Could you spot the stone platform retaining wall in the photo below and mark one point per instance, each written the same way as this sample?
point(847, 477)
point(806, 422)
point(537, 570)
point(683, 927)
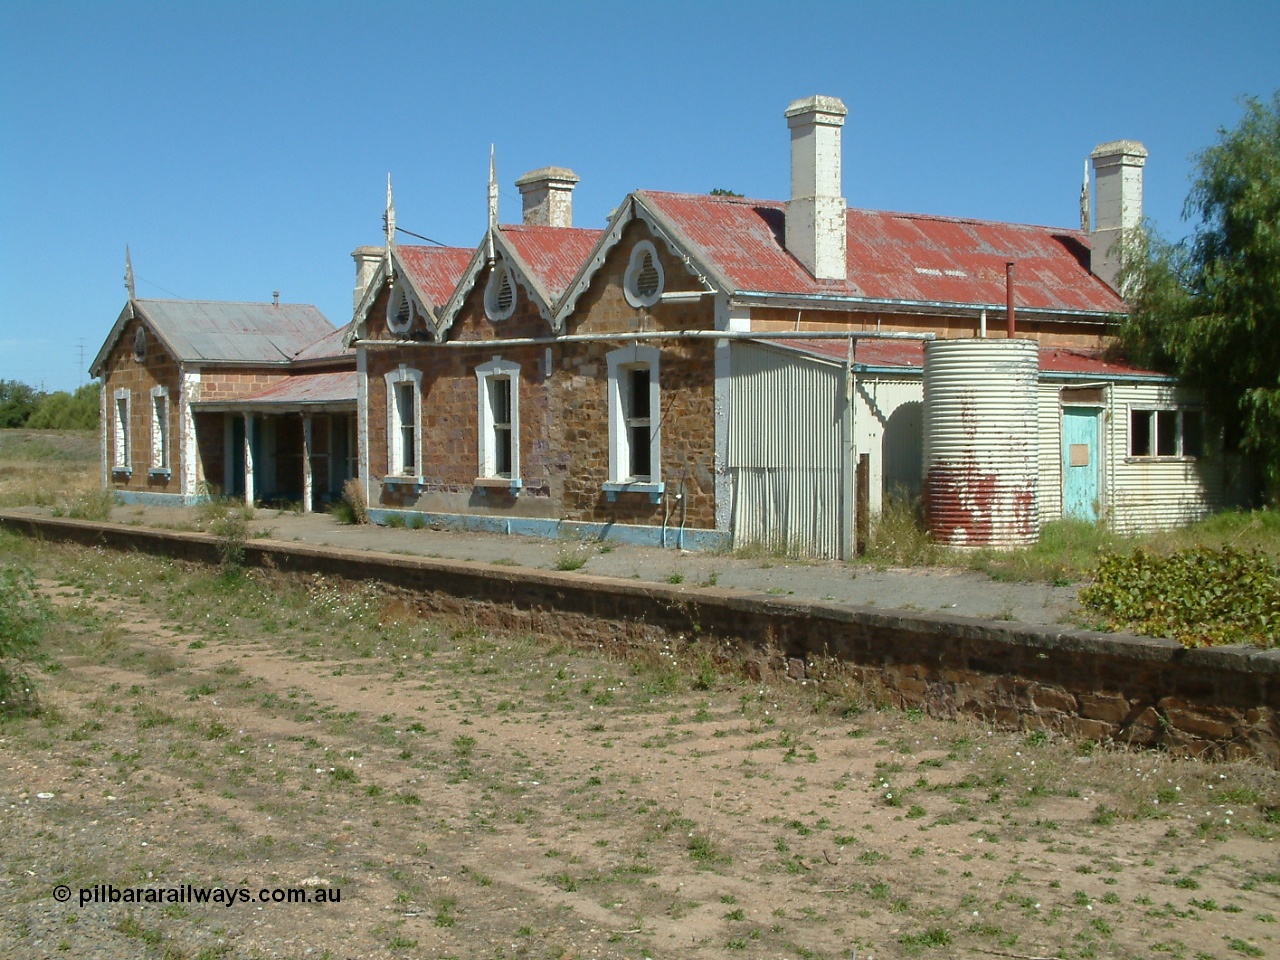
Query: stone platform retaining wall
point(1220, 701)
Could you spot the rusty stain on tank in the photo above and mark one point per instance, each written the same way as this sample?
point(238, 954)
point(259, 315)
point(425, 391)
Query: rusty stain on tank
point(968, 506)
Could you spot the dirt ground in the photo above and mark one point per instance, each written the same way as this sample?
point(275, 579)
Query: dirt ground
point(469, 794)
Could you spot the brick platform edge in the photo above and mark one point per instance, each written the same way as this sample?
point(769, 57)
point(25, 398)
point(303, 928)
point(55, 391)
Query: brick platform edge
point(1217, 701)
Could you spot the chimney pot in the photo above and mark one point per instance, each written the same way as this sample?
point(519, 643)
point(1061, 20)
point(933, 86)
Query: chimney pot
point(816, 213)
point(548, 196)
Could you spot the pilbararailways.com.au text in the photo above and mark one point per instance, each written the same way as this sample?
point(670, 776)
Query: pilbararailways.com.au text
point(190, 894)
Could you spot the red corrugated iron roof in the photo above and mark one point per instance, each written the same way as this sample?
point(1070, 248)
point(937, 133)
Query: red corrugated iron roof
point(1064, 360)
point(434, 271)
point(553, 254)
point(894, 256)
point(909, 355)
point(306, 389)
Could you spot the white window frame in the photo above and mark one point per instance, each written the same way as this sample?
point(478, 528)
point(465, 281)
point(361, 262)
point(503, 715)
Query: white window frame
point(395, 379)
point(1153, 411)
point(486, 374)
point(122, 412)
point(161, 438)
point(630, 279)
point(492, 310)
point(401, 294)
point(620, 365)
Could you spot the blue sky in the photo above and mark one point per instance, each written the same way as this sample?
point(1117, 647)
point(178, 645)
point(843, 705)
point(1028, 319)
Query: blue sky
point(243, 147)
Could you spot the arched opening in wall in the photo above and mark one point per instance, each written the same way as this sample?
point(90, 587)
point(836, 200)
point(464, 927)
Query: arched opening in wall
point(902, 453)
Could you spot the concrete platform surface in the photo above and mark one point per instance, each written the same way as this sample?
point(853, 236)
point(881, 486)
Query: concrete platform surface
point(949, 591)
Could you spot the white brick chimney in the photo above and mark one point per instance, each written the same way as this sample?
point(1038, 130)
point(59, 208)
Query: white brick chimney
point(816, 219)
point(367, 260)
point(548, 196)
point(1117, 172)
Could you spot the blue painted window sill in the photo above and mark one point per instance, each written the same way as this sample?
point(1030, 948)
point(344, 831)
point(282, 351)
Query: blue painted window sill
point(654, 490)
point(513, 484)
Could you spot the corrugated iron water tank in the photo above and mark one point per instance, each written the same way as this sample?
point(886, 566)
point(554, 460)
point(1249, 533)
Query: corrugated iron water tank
point(980, 442)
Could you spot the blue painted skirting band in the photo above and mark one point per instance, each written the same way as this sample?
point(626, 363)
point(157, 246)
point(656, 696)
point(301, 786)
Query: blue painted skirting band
point(141, 498)
point(559, 529)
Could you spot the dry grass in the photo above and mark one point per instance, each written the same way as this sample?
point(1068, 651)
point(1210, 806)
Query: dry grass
point(468, 786)
point(49, 468)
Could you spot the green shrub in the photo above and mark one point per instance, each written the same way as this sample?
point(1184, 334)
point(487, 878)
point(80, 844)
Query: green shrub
point(1198, 595)
point(22, 619)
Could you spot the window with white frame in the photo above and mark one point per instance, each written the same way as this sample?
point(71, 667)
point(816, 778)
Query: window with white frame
point(643, 282)
point(122, 459)
point(404, 421)
point(500, 293)
point(1166, 433)
point(634, 418)
point(160, 429)
point(401, 308)
point(498, 416)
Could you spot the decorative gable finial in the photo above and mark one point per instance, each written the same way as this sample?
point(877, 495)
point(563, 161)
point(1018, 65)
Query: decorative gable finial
point(493, 202)
point(128, 272)
point(1084, 200)
point(389, 218)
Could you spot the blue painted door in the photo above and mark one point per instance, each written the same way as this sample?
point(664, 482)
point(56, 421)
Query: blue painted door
point(1080, 462)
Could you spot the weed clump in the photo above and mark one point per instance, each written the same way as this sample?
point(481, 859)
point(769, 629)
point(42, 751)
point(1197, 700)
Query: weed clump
point(353, 507)
point(91, 505)
point(228, 520)
point(573, 556)
point(22, 619)
point(899, 537)
point(1199, 596)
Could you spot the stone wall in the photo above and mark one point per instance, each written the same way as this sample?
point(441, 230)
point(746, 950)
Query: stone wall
point(211, 450)
point(1221, 701)
point(564, 423)
point(222, 384)
point(122, 370)
point(579, 393)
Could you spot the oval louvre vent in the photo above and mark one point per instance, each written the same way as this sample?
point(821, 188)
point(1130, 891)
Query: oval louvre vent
point(642, 285)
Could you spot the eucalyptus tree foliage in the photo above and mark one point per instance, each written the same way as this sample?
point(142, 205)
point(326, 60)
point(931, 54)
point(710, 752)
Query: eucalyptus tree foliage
point(1208, 308)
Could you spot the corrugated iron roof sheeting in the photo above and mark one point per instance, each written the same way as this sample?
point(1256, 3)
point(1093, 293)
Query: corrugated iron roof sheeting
point(328, 347)
point(208, 330)
point(895, 256)
point(434, 271)
point(553, 254)
point(303, 390)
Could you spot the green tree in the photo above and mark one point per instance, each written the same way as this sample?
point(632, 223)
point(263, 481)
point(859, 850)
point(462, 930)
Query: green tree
point(17, 402)
point(1208, 308)
point(68, 411)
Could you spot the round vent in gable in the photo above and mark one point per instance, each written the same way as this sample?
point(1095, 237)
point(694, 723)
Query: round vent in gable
point(500, 293)
point(140, 345)
point(643, 282)
point(400, 309)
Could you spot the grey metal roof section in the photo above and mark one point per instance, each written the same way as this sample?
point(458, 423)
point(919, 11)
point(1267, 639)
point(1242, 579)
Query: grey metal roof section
point(212, 331)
